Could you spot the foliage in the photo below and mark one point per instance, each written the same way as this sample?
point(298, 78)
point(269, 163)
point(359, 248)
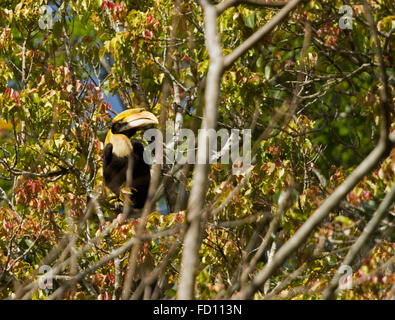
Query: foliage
point(54, 107)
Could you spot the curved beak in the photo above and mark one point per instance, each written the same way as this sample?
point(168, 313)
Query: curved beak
point(134, 118)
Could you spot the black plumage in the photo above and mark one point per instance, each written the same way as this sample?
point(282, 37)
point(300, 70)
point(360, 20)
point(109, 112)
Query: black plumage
point(119, 149)
point(115, 169)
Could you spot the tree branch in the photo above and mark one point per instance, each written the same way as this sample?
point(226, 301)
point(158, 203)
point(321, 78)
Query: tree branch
point(222, 6)
point(258, 35)
point(192, 238)
point(366, 234)
point(378, 153)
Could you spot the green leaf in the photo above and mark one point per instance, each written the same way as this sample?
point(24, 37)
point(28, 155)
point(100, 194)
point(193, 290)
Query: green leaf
point(259, 62)
point(344, 220)
point(268, 71)
point(279, 196)
point(102, 52)
point(250, 21)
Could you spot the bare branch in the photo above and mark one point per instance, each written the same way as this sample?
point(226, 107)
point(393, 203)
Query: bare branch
point(224, 5)
point(378, 153)
point(303, 232)
point(192, 239)
point(258, 35)
point(366, 234)
point(385, 95)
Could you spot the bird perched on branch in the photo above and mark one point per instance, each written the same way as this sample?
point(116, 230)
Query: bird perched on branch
point(121, 153)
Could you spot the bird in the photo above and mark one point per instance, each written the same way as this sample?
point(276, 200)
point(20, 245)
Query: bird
point(120, 148)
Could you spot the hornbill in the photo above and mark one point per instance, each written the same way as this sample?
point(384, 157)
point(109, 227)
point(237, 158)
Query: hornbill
point(119, 149)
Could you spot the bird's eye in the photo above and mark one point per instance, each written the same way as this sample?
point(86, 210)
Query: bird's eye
point(115, 127)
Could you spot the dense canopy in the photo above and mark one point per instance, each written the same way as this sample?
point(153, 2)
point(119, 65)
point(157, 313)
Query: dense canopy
point(311, 216)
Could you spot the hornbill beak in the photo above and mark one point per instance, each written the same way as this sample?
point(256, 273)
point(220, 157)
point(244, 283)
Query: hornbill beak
point(132, 120)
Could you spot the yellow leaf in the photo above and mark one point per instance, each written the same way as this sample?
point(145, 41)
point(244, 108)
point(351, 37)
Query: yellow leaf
point(271, 167)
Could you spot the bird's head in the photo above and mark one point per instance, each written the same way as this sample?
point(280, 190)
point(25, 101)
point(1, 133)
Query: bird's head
point(130, 121)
